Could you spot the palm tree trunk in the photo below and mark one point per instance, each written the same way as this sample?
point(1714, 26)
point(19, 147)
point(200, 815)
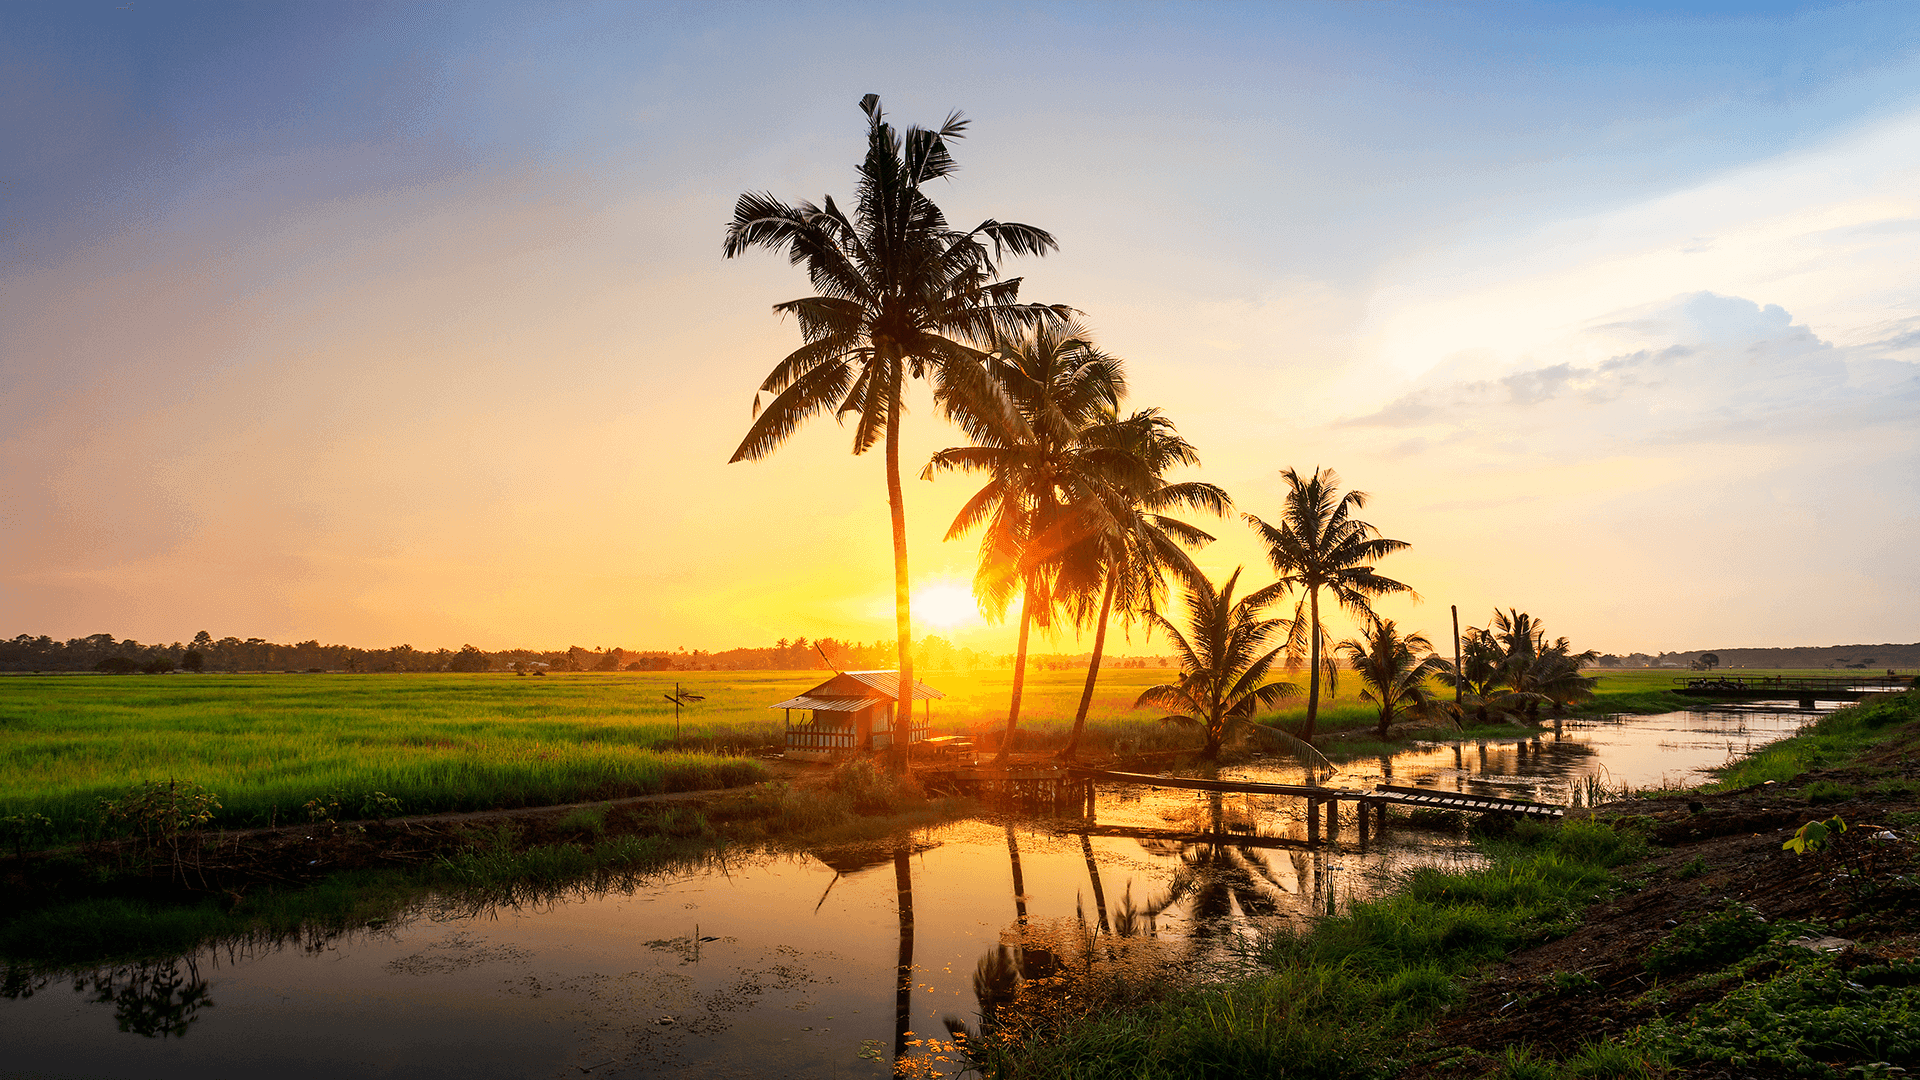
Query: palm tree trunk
point(1019, 676)
point(903, 970)
point(1313, 653)
point(1093, 673)
point(1019, 879)
point(1093, 872)
point(897, 510)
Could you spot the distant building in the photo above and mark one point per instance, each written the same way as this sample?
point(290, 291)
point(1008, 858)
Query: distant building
point(850, 712)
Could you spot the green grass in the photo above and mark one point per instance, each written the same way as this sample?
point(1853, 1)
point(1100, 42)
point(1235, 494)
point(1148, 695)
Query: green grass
point(1835, 739)
point(1338, 1001)
point(266, 744)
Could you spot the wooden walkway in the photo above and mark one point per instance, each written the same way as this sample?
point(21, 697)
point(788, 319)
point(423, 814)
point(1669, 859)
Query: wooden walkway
point(1371, 804)
point(1804, 689)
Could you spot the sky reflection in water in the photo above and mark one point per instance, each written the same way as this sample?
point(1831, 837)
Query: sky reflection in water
point(788, 965)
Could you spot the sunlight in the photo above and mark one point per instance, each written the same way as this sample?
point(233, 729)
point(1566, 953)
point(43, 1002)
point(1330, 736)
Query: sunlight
point(945, 604)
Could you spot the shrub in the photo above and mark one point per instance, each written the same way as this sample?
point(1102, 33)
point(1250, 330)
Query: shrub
point(1732, 933)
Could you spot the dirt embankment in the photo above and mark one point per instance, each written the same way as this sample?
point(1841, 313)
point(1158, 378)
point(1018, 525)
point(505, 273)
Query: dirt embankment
point(1616, 971)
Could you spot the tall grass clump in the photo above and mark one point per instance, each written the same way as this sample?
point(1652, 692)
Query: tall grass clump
point(1337, 1001)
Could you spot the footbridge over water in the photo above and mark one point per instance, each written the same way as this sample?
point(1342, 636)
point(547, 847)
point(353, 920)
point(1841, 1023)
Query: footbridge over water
point(1371, 803)
point(1803, 689)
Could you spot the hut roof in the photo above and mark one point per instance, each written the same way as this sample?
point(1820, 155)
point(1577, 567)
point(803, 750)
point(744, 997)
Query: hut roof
point(852, 691)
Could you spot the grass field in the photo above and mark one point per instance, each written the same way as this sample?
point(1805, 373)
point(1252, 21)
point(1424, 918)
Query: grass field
point(268, 743)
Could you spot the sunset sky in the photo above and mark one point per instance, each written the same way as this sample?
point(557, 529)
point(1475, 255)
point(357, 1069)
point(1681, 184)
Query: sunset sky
point(409, 323)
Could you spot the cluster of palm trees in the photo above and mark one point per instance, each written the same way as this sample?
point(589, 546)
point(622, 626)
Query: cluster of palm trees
point(1076, 518)
point(1508, 670)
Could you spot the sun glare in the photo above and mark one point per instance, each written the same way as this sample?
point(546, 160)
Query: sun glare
point(945, 605)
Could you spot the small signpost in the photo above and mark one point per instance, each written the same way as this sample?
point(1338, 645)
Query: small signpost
point(680, 697)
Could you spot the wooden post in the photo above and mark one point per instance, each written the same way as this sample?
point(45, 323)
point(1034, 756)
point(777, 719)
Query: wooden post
point(1456, 663)
point(1313, 820)
point(1333, 819)
point(1365, 811)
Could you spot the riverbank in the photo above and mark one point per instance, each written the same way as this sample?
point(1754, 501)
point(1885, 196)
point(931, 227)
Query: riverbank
point(1670, 937)
point(157, 897)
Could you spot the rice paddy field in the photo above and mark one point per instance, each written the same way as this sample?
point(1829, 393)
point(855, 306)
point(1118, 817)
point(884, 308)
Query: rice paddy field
point(268, 743)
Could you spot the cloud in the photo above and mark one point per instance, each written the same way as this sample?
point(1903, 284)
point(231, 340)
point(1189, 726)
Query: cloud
point(1708, 368)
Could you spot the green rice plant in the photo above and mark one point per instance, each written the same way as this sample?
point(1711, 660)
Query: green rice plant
point(590, 819)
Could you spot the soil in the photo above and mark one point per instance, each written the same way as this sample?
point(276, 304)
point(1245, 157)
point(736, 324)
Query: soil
point(1706, 850)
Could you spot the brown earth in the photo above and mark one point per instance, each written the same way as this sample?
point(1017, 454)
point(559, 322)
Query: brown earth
point(1707, 850)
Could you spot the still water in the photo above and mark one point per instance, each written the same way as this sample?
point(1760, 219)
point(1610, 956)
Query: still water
point(792, 965)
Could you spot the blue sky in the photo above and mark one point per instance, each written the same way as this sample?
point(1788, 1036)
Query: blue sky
point(382, 323)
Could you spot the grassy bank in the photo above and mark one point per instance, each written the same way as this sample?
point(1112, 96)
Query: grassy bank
point(1839, 738)
point(1339, 1000)
point(78, 907)
point(1677, 970)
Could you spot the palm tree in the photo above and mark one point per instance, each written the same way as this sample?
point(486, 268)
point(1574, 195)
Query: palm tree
point(1395, 669)
point(1046, 478)
point(1222, 669)
point(1486, 676)
point(900, 294)
point(1321, 546)
point(1129, 561)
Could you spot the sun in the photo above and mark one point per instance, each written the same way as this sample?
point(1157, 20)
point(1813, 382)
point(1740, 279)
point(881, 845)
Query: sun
point(945, 604)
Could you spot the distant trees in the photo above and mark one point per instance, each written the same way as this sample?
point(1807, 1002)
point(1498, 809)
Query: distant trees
point(469, 658)
point(1709, 661)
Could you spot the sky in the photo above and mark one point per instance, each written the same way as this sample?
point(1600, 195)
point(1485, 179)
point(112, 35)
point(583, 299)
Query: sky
point(409, 323)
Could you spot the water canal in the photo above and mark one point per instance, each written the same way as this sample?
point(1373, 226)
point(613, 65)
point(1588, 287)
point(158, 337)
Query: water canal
point(790, 965)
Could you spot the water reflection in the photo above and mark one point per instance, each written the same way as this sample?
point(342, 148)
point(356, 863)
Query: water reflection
point(819, 961)
point(156, 999)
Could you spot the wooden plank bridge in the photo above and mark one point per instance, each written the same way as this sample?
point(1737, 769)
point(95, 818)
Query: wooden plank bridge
point(1804, 689)
point(1051, 788)
point(1371, 804)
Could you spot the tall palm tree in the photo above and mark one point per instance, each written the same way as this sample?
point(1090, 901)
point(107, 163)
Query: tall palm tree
point(1395, 669)
point(1222, 668)
point(1046, 478)
point(1320, 546)
point(899, 294)
point(1129, 560)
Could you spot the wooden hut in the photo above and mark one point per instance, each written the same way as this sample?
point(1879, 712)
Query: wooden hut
point(852, 711)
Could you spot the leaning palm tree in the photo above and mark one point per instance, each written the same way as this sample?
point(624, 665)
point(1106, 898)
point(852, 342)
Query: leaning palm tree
point(1319, 546)
point(1128, 562)
point(1395, 670)
point(900, 294)
point(1046, 479)
point(1222, 668)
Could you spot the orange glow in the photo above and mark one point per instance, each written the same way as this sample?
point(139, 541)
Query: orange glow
point(946, 605)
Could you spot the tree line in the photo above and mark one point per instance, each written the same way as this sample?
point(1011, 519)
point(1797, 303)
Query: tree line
point(105, 653)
